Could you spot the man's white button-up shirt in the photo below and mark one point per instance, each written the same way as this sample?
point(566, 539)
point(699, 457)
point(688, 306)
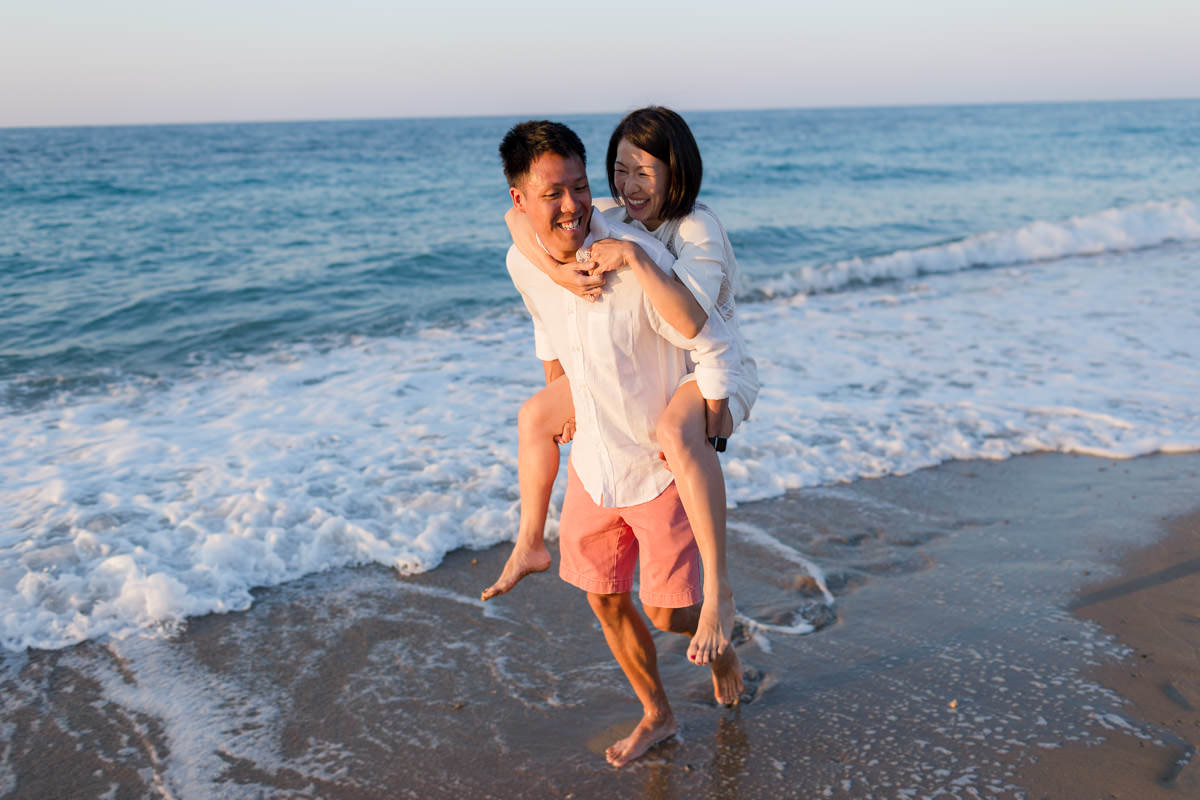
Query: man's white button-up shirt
point(623, 362)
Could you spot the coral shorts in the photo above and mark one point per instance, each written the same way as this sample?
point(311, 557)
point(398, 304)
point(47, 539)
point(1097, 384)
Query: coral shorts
point(599, 547)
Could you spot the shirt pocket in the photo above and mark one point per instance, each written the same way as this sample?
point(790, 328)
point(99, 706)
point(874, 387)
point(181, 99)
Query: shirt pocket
point(610, 346)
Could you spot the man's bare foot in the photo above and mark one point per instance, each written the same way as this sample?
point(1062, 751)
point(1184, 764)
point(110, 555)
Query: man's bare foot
point(714, 628)
point(727, 677)
point(523, 561)
point(649, 732)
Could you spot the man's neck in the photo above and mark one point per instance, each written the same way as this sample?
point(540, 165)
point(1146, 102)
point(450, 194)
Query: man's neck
point(557, 257)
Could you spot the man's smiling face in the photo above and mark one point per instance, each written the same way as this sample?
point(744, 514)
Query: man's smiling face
point(556, 197)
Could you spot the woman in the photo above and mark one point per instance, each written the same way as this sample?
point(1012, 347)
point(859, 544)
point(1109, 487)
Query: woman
point(654, 172)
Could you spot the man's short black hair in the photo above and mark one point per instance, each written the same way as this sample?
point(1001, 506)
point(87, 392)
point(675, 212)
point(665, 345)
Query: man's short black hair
point(663, 134)
point(527, 141)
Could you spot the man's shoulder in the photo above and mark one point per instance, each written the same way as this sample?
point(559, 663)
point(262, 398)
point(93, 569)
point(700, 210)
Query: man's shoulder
point(530, 281)
point(618, 228)
point(609, 207)
point(512, 254)
point(520, 268)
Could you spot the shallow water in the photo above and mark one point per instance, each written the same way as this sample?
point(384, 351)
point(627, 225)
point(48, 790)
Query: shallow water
point(945, 663)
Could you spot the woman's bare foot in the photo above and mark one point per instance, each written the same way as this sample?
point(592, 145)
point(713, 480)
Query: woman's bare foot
point(714, 628)
point(649, 732)
point(522, 561)
point(727, 677)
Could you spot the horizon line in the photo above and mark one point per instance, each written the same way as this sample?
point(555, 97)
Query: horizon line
point(542, 115)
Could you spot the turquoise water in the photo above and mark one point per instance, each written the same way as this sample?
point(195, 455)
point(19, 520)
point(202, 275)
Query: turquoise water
point(231, 355)
point(144, 249)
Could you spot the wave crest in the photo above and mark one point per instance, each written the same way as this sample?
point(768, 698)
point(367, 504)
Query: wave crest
point(1113, 230)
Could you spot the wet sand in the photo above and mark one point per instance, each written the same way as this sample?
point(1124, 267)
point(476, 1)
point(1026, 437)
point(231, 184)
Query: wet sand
point(1154, 609)
point(1026, 628)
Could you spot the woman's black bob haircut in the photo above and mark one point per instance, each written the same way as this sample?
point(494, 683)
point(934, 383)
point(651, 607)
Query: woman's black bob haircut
point(663, 134)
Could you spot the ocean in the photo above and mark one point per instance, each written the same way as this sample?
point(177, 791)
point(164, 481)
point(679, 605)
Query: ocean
point(232, 356)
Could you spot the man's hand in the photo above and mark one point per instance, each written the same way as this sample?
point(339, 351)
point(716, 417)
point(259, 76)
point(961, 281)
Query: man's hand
point(568, 432)
point(718, 420)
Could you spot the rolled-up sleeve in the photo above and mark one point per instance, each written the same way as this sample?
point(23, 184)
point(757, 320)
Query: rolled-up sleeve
point(717, 360)
point(541, 342)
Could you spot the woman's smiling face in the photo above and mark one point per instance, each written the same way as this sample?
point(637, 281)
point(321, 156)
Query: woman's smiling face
point(642, 181)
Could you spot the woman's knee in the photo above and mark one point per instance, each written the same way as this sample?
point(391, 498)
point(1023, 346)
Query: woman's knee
point(672, 434)
point(546, 412)
point(535, 417)
point(681, 427)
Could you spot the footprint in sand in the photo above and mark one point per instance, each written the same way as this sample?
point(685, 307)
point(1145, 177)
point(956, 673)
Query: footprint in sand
point(752, 681)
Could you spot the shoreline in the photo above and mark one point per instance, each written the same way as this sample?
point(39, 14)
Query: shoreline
point(950, 662)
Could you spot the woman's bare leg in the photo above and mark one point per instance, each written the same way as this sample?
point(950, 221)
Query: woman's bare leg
point(541, 418)
point(682, 434)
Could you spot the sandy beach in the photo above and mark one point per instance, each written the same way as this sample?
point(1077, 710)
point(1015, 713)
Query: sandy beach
point(1026, 628)
point(1154, 609)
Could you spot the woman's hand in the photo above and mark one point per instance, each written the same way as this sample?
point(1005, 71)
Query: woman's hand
point(575, 278)
point(608, 255)
point(670, 298)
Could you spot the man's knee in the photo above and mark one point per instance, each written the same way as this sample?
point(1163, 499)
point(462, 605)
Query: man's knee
point(605, 605)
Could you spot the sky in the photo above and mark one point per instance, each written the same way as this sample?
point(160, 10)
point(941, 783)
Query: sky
point(89, 62)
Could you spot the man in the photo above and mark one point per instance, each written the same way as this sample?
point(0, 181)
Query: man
point(623, 363)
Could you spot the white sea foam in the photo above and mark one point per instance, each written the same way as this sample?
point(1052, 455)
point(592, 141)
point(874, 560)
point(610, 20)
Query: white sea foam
point(758, 536)
point(131, 511)
point(1112, 230)
point(138, 509)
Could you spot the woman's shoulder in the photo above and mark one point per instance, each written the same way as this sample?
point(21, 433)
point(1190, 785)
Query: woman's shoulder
point(701, 224)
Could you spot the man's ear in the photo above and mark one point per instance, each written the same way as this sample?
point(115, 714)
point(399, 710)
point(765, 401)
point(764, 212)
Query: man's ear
point(518, 199)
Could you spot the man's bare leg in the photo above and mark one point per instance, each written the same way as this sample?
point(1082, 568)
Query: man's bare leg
point(541, 419)
point(683, 436)
point(630, 642)
point(726, 668)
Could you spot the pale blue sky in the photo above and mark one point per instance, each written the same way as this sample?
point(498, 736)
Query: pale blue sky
point(132, 61)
